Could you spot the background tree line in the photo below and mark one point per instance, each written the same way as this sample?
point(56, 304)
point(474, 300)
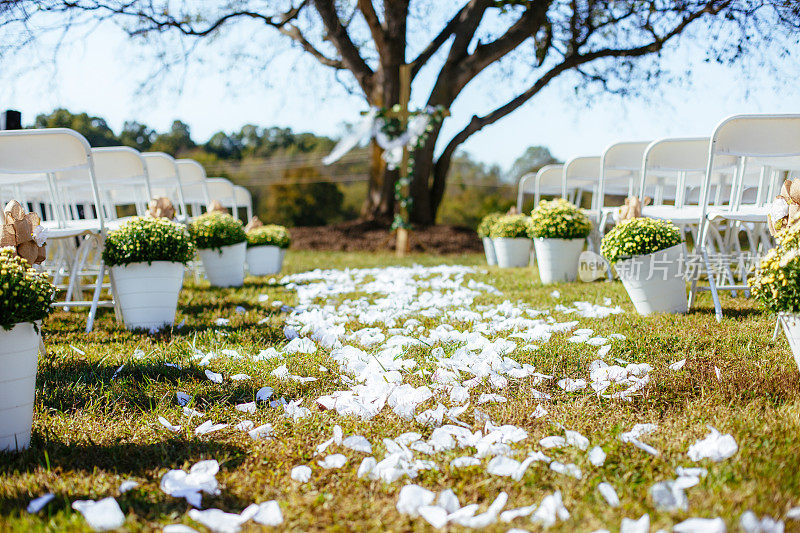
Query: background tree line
point(284, 172)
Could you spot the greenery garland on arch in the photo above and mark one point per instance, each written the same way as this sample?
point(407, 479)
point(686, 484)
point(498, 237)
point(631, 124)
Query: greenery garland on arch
point(392, 127)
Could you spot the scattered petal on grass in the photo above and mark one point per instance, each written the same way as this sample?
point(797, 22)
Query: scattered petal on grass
point(264, 394)
point(553, 442)
point(246, 407)
point(642, 525)
point(261, 432)
point(219, 521)
point(793, 513)
point(208, 427)
point(183, 398)
point(301, 473)
point(269, 514)
point(597, 456)
point(715, 446)
point(751, 524)
point(669, 496)
point(201, 478)
point(434, 515)
point(700, 525)
point(550, 510)
point(677, 365)
point(566, 469)
point(102, 515)
point(37, 504)
point(335, 460)
point(357, 443)
point(539, 412)
point(462, 462)
point(125, 486)
point(576, 439)
point(240, 377)
point(411, 498)
point(608, 493)
point(166, 423)
point(213, 376)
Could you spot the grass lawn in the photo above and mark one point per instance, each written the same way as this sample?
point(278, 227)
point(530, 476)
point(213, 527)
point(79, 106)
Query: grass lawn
point(95, 423)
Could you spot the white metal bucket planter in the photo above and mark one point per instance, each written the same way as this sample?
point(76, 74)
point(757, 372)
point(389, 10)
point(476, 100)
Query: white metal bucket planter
point(264, 260)
point(655, 282)
point(147, 294)
point(558, 259)
point(225, 267)
point(488, 249)
point(791, 327)
point(19, 357)
point(514, 252)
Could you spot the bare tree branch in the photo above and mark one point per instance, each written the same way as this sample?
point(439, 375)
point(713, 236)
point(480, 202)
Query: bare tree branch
point(351, 57)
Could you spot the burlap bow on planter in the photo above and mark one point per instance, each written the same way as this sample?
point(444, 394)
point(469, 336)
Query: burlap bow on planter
point(216, 206)
point(23, 232)
point(254, 223)
point(161, 208)
point(785, 209)
point(632, 208)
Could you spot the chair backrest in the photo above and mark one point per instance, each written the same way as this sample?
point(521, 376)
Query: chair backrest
point(244, 199)
point(546, 181)
point(754, 139)
point(122, 176)
point(620, 167)
point(164, 178)
point(580, 173)
point(193, 181)
point(222, 190)
point(32, 153)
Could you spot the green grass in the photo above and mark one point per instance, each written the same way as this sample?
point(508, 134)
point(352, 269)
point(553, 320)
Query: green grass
point(92, 432)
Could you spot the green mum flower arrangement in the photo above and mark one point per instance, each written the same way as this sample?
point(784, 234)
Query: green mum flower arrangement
point(639, 236)
point(25, 293)
point(511, 227)
point(485, 226)
point(147, 239)
point(269, 235)
point(215, 230)
point(776, 281)
point(559, 219)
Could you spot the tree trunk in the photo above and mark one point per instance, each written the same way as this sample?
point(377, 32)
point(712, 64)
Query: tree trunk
point(423, 211)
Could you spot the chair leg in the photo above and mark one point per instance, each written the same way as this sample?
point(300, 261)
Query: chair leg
point(98, 287)
point(78, 264)
point(712, 286)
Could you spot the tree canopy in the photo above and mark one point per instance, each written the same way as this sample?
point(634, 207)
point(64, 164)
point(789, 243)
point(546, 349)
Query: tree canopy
point(608, 46)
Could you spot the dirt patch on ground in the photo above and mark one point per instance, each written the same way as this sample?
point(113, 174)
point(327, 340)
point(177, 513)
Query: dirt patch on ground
point(368, 236)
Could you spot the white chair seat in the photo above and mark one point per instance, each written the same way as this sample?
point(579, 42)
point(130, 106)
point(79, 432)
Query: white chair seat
point(689, 214)
point(745, 213)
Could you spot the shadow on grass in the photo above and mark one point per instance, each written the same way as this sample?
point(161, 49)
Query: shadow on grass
point(77, 384)
point(122, 459)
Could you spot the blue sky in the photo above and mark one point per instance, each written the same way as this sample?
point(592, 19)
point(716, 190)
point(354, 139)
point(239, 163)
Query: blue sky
point(102, 73)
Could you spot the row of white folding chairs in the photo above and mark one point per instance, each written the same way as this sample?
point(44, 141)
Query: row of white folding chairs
point(720, 186)
point(77, 191)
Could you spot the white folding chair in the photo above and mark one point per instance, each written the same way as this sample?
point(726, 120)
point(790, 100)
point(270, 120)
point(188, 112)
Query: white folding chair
point(223, 191)
point(620, 168)
point(165, 180)
point(580, 175)
point(754, 140)
point(194, 185)
point(547, 181)
point(29, 154)
point(244, 200)
point(122, 179)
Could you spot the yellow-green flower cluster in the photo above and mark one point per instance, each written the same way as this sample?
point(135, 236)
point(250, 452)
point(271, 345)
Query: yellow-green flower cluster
point(559, 219)
point(215, 230)
point(25, 294)
point(269, 235)
point(510, 227)
point(639, 236)
point(776, 282)
point(147, 239)
point(485, 227)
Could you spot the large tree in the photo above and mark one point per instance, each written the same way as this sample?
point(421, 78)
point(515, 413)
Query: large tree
point(614, 45)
